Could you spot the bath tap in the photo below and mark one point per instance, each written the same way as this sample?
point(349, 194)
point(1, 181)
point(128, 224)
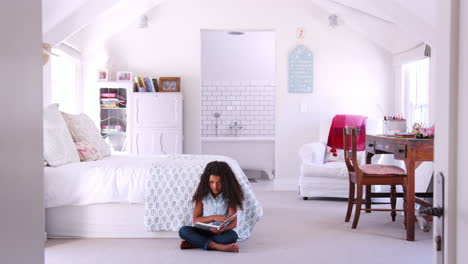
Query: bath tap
point(216, 116)
point(236, 125)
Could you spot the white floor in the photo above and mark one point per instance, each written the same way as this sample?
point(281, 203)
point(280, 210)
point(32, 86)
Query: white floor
point(291, 231)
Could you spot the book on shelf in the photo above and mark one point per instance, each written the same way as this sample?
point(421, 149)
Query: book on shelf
point(155, 84)
point(113, 100)
point(109, 100)
point(111, 129)
point(149, 84)
point(404, 135)
point(117, 104)
point(145, 84)
point(216, 226)
point(114, 106)
point(136, 81)
point(108, 95)
point(109, 105)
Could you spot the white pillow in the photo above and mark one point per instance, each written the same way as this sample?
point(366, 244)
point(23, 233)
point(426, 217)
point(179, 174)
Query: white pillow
point(59, 148)
point(82, 128)
point(87, 152)
point(334, 155)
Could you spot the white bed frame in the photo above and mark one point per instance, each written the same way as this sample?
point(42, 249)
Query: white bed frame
point(109, 220)
point(323, 187)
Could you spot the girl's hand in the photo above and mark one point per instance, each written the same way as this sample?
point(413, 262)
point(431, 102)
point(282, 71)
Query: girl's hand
point(216, 231)
point(219, 218)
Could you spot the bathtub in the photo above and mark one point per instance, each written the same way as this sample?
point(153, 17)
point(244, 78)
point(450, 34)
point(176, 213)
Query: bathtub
point(252, 153)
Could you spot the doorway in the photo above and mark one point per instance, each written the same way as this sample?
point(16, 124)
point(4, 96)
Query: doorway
point(238, 98)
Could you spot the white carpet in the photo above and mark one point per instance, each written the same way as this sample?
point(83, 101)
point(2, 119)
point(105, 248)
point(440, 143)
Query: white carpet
point(291, 231)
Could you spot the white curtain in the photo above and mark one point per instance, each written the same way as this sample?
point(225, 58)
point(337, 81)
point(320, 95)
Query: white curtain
point(415, 84)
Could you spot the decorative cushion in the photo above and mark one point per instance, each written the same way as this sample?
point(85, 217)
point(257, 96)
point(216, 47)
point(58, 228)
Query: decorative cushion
point(82, 128)
point(382, 169)
point(334, 155)
point(58, 143)
point(337, 155)
point(87, 152)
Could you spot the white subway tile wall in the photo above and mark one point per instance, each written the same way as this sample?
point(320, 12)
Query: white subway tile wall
point(246, 108)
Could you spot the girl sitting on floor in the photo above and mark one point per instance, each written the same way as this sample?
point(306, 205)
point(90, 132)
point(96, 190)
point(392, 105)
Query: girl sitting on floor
point(217, 197)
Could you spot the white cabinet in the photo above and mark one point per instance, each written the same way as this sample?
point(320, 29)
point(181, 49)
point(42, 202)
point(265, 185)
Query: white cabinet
point(158, 110)
point(156, 123)
point(158, 141)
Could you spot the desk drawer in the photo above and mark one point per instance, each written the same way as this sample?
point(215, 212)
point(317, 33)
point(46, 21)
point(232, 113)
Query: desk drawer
point(400, 151)
point(370, 146)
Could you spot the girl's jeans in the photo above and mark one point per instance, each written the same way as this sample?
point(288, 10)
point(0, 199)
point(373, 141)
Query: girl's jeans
point(201, 238)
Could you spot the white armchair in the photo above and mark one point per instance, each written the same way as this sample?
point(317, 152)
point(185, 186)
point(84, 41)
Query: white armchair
point(322, 179)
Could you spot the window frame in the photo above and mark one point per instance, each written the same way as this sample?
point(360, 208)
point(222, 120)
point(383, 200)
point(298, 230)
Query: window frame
point(421, 69)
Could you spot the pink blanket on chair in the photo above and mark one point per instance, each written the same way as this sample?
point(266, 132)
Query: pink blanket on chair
point(335, 136)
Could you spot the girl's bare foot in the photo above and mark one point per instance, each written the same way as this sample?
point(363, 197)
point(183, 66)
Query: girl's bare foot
point(226, 248)
point(186, 245)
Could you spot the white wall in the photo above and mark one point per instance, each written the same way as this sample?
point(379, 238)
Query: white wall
point(226, 57)
point(351, 75)
point(21, 172)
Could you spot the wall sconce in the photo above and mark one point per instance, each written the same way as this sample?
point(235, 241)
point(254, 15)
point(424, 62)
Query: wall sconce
point(46, 52)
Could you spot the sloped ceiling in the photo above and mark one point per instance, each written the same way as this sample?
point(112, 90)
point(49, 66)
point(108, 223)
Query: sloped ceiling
point(55, 11)
point(69, 24)
point(395, 25)
point(426, 10)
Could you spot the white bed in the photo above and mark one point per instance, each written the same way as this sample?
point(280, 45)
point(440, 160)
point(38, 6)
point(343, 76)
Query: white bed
point(106, 198)
point(102, 198)
point(110, 220)
point(113, 179)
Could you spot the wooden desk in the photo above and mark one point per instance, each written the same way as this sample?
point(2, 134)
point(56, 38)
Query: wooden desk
point(412, 151)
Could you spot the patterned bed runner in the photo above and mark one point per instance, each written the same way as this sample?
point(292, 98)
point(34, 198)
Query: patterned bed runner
point(171, 185)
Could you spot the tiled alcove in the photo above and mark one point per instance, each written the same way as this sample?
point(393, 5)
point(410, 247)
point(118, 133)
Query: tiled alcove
point(246, 108)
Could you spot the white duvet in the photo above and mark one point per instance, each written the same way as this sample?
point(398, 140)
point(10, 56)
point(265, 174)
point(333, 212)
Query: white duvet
point(118, 178)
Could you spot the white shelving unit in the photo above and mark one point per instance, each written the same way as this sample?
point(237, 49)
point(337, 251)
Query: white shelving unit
point(114, 120)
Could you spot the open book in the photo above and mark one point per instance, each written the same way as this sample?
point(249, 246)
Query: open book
point(215, 226)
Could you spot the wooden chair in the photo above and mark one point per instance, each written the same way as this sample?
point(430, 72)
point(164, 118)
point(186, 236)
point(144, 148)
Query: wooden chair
point(368, 175)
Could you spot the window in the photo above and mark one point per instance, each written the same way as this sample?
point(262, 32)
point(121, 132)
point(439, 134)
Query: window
point(415, 83)
point(66, 81)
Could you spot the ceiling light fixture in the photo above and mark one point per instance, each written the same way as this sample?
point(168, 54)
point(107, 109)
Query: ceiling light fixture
point(333, 20)
point(237, 33)
point(143, 21)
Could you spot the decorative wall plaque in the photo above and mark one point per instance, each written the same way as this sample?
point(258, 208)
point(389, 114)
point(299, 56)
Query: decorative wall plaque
point(300, 70)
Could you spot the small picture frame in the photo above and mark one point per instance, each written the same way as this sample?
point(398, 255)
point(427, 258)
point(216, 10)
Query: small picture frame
point(169, 84)
point(103, 75)
point(123, 76)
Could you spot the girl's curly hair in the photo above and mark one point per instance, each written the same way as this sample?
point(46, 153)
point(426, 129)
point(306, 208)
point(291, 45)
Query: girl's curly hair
point(232, 191)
